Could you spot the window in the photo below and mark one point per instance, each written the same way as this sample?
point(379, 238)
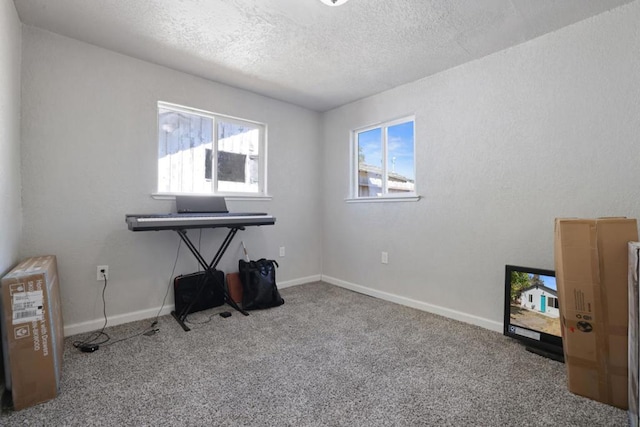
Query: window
point(384, 160)
point(202, 152)
point(552, 302)
point(530, 298)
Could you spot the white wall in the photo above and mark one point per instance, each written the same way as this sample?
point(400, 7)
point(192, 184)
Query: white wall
point(505, 144)
point(10, 205)
point(89, 157)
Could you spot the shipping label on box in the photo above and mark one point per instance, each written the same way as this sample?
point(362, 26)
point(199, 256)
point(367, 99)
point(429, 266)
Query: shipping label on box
point(27, 307)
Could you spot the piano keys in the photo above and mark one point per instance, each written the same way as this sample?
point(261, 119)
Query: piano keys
point(180, 221)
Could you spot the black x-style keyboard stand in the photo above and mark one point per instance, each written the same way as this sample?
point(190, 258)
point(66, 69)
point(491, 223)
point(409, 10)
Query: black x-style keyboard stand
point(209, 270)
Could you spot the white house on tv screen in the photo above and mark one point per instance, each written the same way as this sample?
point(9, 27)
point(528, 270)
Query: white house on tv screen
point(541, 299)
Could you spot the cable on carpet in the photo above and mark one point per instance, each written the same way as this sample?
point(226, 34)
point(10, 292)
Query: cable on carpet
point(93, 343)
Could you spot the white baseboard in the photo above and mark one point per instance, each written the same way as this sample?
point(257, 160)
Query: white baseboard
point(420, 305)
point(300, 281)
point(94, 325)
point(118, 319)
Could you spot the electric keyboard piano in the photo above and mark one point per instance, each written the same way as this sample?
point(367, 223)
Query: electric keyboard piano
point(177, 221)
point(180, 222)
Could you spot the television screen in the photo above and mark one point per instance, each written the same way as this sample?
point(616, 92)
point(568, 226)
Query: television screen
point(532, 312)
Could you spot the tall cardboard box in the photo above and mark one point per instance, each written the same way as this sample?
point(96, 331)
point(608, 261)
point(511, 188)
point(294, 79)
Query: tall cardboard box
point(32, 334)
point(591, 275)
point(634, 334)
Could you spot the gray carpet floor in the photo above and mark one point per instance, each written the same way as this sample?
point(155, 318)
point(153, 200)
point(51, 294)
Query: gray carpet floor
point(327, 357)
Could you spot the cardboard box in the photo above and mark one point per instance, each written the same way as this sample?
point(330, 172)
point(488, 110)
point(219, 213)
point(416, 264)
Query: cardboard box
point(591, 275)
point(634, 331)
point(32, 334)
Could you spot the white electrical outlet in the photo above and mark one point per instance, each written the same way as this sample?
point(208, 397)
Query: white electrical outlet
point(384, 258)
point(281, 251)
point(102, 272)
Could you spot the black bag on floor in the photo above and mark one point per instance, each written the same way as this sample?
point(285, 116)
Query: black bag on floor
point(259, 288)
point(187, 289)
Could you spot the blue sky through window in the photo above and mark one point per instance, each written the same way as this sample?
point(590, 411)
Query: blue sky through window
point(370, 147)
point(400, 149)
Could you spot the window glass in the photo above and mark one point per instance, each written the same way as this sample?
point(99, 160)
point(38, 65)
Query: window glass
point(370, 163)
point(400, 163)
point(192, 158)
point(238, 157)
point(386, 160)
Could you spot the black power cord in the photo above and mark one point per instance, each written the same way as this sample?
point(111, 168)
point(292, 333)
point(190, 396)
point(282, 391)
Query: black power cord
point(96, 339)
point(155, 321)
point(92, 344)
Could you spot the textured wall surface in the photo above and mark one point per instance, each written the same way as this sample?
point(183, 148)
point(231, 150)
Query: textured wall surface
point(504, 144)
point(90, 157)
point(10, 205)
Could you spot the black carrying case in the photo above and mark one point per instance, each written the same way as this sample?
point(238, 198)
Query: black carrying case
point(187, 288)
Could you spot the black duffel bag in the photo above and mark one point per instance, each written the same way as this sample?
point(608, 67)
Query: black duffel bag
point(259, 288)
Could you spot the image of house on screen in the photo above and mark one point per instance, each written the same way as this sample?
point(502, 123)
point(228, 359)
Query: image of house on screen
point(541, 299)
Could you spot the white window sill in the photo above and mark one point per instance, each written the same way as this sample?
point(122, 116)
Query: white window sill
point(385, 199)
point(239, 197)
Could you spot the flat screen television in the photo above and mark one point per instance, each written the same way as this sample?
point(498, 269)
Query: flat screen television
point(531, 310)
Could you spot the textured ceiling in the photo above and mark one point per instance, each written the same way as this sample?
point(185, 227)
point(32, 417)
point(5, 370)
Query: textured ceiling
point(302, 51)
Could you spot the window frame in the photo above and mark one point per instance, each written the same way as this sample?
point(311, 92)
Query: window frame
point(261, 194)
point(354, 163)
